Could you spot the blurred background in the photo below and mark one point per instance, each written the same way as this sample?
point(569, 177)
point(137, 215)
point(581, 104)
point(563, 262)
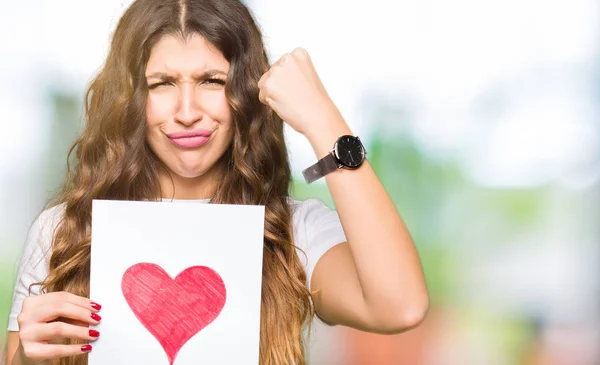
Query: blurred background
point(481, 119)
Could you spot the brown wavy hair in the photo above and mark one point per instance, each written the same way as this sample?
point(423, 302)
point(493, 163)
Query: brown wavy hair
point(112, 160)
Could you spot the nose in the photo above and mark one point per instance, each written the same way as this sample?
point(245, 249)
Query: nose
point(188, 108)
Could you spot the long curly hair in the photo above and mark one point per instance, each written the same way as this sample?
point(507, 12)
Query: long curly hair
point(112, 160)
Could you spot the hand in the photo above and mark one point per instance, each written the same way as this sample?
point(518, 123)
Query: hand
point(39, 329)
point(294, 91)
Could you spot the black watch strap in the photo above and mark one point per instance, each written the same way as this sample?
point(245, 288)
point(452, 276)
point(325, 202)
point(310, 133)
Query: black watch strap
point(324, 166)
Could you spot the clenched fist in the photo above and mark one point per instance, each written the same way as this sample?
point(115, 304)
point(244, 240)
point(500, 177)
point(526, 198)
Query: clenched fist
point(294, 91)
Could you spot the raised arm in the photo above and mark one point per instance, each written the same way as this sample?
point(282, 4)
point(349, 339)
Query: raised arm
point(373, 282)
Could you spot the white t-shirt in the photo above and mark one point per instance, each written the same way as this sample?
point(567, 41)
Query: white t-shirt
point(316, 229)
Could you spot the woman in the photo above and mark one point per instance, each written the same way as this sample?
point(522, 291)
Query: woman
point(186, 107)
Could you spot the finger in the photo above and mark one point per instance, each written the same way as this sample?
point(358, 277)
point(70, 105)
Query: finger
point(39, 351)
point(300, 52)
point(52, 311)
point(267, 100)
point(40, 300)
point(47, 307)
point(61, 330)
point(78, 300)
point(263, 79)
point(262, 97)
point(282, 60)
point(270, 103)
point(302, 55)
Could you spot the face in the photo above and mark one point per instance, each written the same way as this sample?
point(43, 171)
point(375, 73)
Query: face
point(189, 121)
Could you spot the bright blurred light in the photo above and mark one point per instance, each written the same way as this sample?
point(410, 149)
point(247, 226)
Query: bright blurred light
point(445, 56)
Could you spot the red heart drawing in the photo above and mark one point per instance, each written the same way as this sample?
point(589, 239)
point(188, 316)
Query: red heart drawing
point(173, 310)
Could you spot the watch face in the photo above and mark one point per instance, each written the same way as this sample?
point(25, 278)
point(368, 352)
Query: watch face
point(349, 151)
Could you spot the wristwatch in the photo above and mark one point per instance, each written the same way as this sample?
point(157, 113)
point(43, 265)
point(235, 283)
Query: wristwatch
point(348, 152)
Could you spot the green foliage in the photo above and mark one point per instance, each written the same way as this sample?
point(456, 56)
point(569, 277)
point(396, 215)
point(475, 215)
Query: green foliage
point(66, 127)
point(7, 273)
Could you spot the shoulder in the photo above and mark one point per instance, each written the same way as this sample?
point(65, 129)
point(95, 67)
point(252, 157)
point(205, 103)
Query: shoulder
point(33, 265)
point(308, 211)
point(314, 222)
point(49, 218)
point(316, 229)
point(39, 238)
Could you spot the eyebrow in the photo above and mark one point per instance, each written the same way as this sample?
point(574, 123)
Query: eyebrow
point(204, 75)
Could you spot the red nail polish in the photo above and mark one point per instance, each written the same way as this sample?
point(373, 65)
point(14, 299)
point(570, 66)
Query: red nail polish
point(86, 348)
point(94, 333)
point(96, 306)
point(96, 317)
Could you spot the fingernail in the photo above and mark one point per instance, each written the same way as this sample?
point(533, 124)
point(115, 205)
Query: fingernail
point(86, 348)
point(94, 333)
point(96, 306)
point(96, 317)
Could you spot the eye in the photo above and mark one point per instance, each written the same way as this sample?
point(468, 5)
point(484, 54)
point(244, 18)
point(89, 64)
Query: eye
point(164, 83)
point(214, 81)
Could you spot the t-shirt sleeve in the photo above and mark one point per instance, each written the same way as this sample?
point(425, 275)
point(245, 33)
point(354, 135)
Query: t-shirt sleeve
point(317, 228)
point(33, 265)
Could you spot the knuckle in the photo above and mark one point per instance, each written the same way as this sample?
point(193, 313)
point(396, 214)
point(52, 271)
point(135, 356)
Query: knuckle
point(58, 308)
point(23, 334)
point(268, 85)
point(56, 329)
point(263, 79)
point(27, 302)
point(300, 52)
point(261, 83)
point(64, 296)
point(21, 319)
point(30, 352)
point(276, 70)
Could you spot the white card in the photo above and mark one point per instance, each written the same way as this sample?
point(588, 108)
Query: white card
point(179, 282)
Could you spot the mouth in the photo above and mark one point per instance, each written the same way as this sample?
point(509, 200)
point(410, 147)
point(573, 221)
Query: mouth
point(190, 139)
